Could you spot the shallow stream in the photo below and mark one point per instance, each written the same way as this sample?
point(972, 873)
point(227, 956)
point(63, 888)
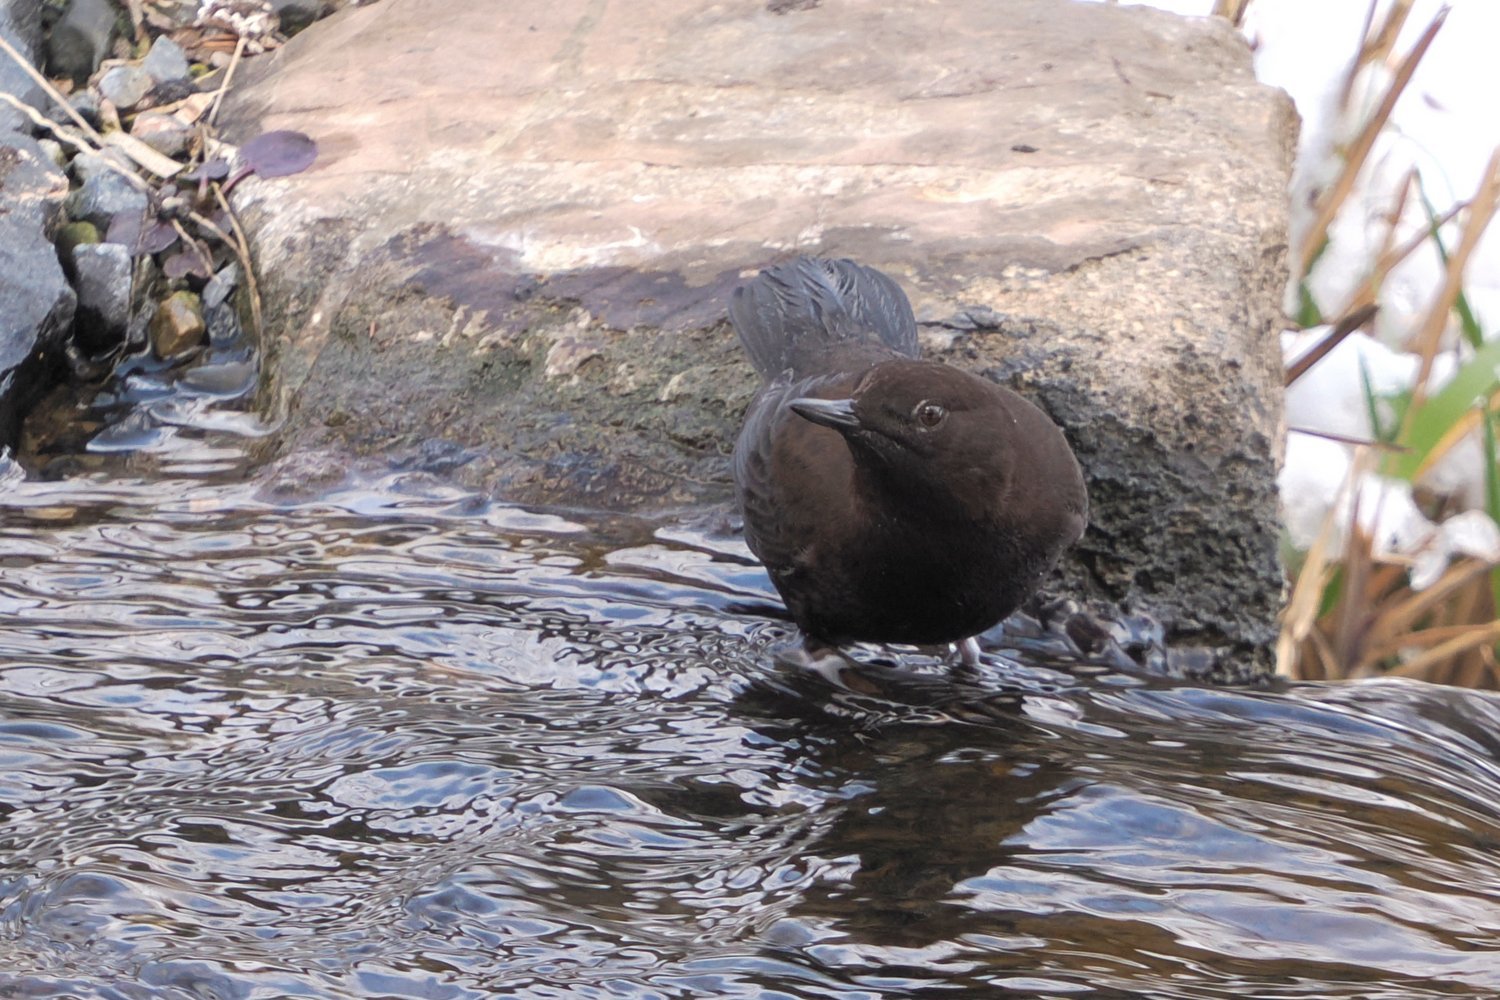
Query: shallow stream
point(401, 742)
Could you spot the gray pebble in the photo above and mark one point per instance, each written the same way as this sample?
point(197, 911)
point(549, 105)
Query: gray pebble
point(55, 152)
point(87, 165)
point(102, 197)
point(103, 285)
point(125, 86)
point(166, 62)
point(223, 327)
point(85, 103)
point(162, 133)
point(219, 287)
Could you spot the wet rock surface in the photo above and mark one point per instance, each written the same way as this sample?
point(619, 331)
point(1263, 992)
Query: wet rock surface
point(1084, 202)
point(101, 278)
point(36, 302)
point(178, 326)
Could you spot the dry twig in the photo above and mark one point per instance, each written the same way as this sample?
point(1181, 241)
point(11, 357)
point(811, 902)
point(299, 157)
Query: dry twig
point(234, 62)
point(242, 251)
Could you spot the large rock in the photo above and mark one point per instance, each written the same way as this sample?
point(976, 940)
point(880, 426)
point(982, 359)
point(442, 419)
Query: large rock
point(526, 218)
point(36, 303)
point(21, 26)
point(80, 39)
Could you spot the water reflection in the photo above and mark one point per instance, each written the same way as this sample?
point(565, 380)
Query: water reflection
point(403, 743)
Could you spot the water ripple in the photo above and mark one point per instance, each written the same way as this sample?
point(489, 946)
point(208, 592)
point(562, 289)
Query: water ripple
point(402, 742)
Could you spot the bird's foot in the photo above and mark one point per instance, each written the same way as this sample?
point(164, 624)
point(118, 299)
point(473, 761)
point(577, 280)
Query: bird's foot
point(822, 658)
point(813, 655)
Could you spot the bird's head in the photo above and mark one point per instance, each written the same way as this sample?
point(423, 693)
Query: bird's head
point(917, 410)
point(945, 438)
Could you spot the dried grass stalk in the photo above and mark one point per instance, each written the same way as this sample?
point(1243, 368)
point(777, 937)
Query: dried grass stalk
point(1334, 197)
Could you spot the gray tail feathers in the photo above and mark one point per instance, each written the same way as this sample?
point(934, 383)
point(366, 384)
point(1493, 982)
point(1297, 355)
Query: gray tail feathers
point(791, 313)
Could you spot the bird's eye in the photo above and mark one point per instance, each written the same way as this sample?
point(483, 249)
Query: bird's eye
point(929, 414)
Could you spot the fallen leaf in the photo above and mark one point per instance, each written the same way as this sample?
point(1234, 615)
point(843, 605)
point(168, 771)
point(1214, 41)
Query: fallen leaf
point(279, 153)
point(142, 234)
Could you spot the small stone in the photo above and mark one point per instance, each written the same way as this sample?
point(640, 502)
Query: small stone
point(125, 86)
point(224, 328)
point(673, 388)
point(163, 133)
point(75, 234)
point(173, 91)
point(178, 326)
point(222, 283)
point(166, 62)
point(86, 165)
point(103, 285)
point(86, 103)
point(298, 14)
point(103, 196)
point(81, 38)
point(55, 152)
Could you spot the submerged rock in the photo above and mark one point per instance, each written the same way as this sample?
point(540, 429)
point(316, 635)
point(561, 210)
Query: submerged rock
point(1083, 201)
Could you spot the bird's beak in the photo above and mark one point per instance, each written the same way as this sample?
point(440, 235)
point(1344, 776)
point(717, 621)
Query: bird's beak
point(835, 413)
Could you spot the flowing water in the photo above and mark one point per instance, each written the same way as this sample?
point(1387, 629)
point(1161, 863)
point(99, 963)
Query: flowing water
point(401, 742)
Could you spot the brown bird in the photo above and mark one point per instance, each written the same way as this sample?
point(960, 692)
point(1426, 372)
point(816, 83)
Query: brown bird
point(891, 499)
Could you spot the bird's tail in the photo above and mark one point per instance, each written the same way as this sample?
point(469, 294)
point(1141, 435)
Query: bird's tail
point(790, 314)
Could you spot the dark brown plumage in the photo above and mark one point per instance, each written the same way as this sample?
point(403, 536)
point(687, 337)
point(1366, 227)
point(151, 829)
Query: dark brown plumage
point(891, 499)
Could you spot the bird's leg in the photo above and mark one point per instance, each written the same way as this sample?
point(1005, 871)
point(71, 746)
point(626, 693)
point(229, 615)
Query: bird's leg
point(968, 652)
point(818, 650)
